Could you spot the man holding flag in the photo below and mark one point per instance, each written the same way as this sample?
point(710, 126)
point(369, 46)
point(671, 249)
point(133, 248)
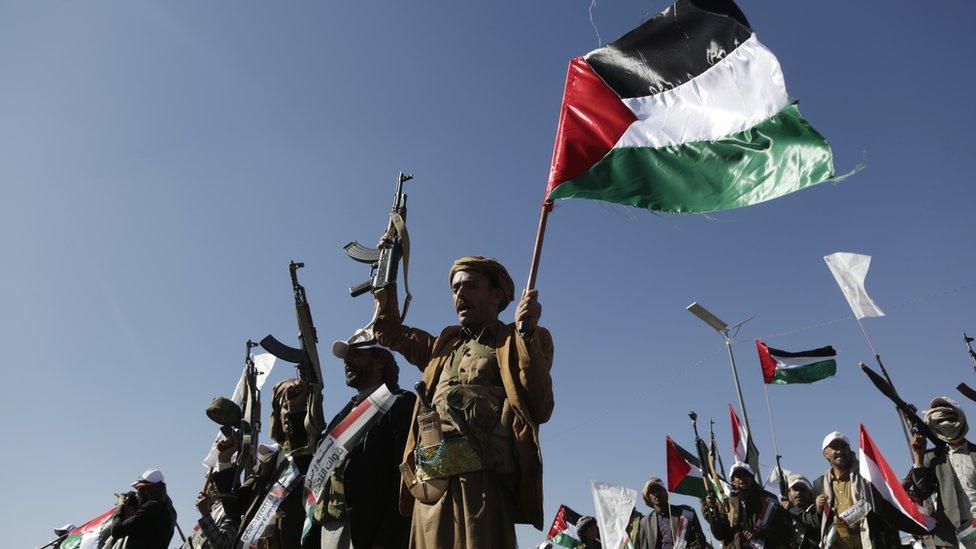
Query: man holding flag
point(843, 501)
point(490, 385)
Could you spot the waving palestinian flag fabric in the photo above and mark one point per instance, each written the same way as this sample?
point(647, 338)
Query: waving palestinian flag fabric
point(86, 536)
point(686, 113)
point(684, 471)
point(562, 533)
point(782, 367)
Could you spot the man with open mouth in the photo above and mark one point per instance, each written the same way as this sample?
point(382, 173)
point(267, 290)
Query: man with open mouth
point(490, 384)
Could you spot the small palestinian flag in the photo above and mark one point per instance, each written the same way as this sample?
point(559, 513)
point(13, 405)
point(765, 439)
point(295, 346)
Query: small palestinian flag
point(889, 499)
point(686, 113)
point(86, 536)
point(562, 533)
point(782, 367)
point(684, 471)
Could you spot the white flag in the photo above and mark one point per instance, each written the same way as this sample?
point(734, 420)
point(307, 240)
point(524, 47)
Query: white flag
point(614, 504)
point(850, 270)
point(263, 363)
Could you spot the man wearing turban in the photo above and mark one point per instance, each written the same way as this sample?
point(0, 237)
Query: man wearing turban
point(489, 383)
point(948, 471)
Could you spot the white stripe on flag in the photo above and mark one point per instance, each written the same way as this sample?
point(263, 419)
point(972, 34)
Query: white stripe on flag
point(733, 95)
point(798, 362)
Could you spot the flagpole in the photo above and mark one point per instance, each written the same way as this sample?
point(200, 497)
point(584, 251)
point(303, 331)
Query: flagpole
point(540, 235)
point(769, 409)
point(884, 372)
point(670, 524)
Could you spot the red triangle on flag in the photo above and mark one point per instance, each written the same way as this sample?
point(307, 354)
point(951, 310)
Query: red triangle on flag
point(591, 120)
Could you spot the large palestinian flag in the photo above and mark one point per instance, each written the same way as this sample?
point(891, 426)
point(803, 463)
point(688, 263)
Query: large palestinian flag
point(889, 499)
point(686, 113)
point(562, 533)
point(782, 367)
point(684, 471)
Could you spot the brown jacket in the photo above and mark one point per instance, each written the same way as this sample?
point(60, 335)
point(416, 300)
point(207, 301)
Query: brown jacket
point(524, 369)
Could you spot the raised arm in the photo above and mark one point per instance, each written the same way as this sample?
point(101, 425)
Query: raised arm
point(415, 345)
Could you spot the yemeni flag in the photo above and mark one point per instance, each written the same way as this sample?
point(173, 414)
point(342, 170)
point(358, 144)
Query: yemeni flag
point(86, 536)
point(743, 449)
point(686, 113)
point(562, 533)
point(888, 498)
point(783, 367)
point(684, 471)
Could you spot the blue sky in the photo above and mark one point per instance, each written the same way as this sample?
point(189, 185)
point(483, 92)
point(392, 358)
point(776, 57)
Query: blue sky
point(163, 161)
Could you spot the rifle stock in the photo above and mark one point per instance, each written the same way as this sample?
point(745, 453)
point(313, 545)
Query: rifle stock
point(908, 412)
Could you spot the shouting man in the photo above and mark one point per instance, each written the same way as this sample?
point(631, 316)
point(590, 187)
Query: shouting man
point(489, 383)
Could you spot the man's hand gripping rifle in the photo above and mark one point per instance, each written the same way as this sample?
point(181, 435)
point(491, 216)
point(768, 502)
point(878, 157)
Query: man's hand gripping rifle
point(305, 358)
point(384, 260)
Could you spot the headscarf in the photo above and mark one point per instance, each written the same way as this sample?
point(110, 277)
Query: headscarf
point(497, 275)
point(278, 396)
point(584, 522)
point(646, 492)
point(947, 420)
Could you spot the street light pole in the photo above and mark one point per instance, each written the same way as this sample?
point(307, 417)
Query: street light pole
point(728, 334)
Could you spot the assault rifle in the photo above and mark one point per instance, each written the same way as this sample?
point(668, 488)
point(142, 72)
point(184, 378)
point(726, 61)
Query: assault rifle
point(908, 412)
point(247, 457)
point(784, 488)
point(385, 259)
point(306, 357)
point(707, 467)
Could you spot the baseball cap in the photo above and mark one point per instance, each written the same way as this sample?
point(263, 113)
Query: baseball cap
point(836, 435)
point(149, 476)
point(740, 465)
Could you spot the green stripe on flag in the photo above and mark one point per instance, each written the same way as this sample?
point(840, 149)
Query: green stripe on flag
point(808, 373)
point(691, 486)
point(776, 157)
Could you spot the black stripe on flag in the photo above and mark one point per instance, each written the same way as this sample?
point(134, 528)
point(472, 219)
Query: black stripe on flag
point(688, 457)
point(675, 46)
point(825, 352)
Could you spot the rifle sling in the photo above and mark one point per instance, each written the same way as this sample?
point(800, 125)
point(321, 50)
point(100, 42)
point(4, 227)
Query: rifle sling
point(400, 226)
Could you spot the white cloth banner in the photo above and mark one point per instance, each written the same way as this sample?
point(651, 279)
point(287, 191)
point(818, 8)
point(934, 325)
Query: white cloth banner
point(344, 437)
point(263, 363)
point(266, 512)
point(850, 271)
point(613, 504)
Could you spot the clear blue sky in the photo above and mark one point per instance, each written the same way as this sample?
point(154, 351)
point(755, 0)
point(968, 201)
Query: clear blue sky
point(162, 162)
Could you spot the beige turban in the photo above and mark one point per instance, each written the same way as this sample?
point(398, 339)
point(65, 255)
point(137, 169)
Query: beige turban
point(492, 269)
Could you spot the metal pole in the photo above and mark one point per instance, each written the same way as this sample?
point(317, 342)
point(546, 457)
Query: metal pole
point(770, 410)
point(884, 372)
point(735, 377)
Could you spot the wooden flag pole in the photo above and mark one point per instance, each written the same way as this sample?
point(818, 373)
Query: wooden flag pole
point(540, 235)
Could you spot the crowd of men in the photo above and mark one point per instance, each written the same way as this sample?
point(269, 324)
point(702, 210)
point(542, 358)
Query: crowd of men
point(834, 511)
point(459, 464)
